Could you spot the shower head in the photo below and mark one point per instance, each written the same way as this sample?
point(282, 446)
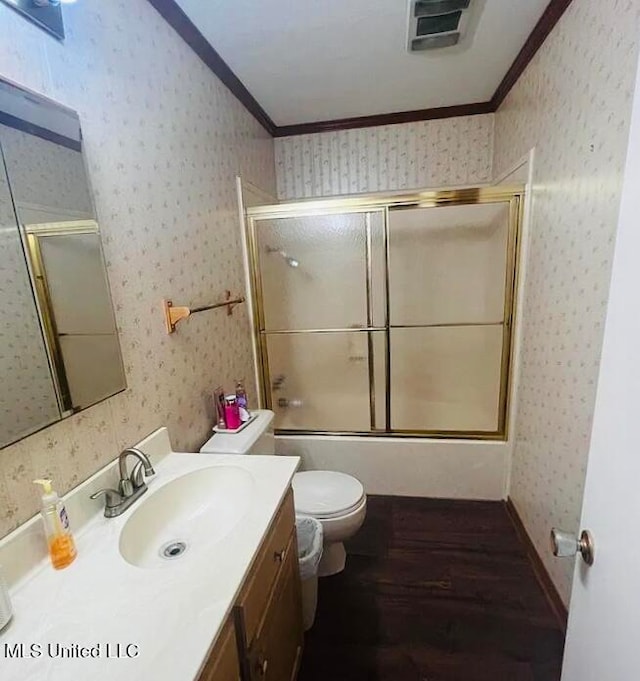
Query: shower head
point(292, 262)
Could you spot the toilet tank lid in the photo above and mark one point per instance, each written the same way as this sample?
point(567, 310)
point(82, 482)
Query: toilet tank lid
point(242, 442)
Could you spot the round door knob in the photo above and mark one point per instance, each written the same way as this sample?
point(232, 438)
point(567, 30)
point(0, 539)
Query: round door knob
point(565, 545)
point(279, 556)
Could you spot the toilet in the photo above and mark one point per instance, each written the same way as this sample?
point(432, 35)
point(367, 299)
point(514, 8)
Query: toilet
point(336, 500)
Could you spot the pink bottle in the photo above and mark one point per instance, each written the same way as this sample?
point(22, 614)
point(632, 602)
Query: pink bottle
point(232, 412)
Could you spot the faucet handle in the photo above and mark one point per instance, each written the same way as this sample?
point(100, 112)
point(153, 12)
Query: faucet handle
point(125, 488)
point(137, 475)
point(112, 497)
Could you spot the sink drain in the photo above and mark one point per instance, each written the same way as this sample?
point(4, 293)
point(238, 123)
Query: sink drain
point(174, 549)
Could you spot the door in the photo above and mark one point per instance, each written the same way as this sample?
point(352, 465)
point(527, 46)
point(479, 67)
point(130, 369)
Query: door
point(604, 619)
point(450, 302)
point(317, 313)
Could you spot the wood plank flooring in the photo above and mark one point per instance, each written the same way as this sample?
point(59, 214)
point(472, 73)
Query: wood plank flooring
point(433, 590)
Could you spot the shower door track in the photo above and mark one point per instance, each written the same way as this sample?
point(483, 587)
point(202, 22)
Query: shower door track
point(377, 204)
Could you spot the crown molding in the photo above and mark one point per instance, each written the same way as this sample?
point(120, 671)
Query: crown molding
point(546, 23)
point(186, 29)
point(384, 119)
point(174, 15)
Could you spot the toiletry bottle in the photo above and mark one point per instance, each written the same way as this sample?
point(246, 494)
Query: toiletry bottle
point(232, 412)
point(241, 398)
point(6, 611)
point(218, 398)
point(62, 549)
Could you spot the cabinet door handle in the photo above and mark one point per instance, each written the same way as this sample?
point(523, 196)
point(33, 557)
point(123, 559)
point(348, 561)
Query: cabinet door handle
point(279, 556)
point(263, 665)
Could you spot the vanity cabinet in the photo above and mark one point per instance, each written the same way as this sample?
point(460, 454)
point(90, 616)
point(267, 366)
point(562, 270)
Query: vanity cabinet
point(262, 640)
point(269, 609)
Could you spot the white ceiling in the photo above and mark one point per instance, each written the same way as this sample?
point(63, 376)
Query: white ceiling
point(315, 60)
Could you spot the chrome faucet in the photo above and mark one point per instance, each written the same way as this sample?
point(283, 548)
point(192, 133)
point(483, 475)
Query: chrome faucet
point(131, 487)
point(129, 484)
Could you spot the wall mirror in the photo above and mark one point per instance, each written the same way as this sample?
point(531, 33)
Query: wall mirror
point(59, 348)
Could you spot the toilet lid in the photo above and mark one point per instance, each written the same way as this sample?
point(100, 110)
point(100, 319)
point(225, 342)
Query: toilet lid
point(323, 494)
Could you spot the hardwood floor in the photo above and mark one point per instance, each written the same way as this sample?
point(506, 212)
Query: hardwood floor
point(433, 590)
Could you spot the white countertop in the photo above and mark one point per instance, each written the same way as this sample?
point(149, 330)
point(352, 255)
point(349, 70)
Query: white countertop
point(171, 614)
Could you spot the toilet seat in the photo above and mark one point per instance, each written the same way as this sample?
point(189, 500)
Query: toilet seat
point(326, 494)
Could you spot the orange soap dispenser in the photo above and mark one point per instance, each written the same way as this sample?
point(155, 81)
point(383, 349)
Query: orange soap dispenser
point(62, 548)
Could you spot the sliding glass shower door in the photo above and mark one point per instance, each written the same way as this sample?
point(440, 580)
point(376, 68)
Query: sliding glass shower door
point(447, 281)
point(316, 315)
point(392, 317)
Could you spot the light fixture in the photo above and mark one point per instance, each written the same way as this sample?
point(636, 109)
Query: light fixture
point(46, 14)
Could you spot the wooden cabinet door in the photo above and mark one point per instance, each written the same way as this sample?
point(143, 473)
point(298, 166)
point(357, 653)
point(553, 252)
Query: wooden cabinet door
point(223, 663)
point(267, 567)
point(277, 648)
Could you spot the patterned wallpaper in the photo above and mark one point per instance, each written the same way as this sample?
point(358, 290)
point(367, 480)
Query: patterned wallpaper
point(448, 152)
point(573, 104)
point(164, 140)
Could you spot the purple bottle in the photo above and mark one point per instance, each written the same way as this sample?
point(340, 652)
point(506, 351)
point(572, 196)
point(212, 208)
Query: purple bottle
point(241, 398)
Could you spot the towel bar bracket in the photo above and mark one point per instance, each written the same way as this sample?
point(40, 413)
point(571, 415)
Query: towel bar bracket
point(176, 313)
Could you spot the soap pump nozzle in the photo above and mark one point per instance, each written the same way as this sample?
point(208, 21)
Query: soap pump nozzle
point(49, 495)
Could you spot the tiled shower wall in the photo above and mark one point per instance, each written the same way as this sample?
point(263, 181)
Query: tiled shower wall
point(164, 141)
point(572, 104)
point(441, 153)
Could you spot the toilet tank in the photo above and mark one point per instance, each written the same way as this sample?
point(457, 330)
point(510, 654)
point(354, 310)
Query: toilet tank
point(255, 438)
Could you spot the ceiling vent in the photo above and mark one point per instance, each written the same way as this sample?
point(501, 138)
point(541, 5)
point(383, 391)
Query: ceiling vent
point(435, 24)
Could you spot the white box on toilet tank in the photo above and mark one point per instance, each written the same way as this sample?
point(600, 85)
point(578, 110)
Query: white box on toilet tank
point(256, 438)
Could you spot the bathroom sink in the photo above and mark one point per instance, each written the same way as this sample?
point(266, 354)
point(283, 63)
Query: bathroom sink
point(188, 516)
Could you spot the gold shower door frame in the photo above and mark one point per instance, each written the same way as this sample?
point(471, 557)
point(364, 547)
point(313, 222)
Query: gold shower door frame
point(382, 203)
